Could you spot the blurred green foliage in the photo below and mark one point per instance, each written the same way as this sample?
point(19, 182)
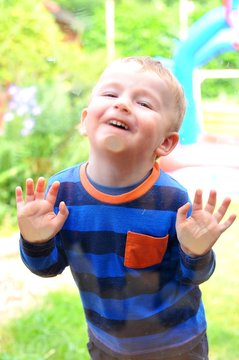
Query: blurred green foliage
point(34, 55)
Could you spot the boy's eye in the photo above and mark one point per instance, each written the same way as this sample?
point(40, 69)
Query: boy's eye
point(145, 104)
point(109, 94)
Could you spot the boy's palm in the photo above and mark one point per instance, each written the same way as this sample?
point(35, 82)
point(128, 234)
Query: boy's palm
point(198, 233)
point(36, 218)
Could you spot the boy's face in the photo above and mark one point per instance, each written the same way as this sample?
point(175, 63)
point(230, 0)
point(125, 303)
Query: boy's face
point(130, 106)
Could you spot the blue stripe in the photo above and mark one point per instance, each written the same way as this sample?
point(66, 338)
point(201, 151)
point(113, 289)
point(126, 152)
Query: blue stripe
point(40, 263)
point(105, 265)
point(119, 219)
point(99, 265)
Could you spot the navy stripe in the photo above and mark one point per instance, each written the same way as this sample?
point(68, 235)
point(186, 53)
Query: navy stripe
point(42, 263)
point(98, 243)
point(51, 271)
point(37, 249)
point(74, 194)
point(133, 284)
point(134, 307)
point(44, 258)
point(198, 263)
point(180, 312)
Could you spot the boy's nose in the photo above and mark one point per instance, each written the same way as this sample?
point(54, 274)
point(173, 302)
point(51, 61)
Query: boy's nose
point(122, 105)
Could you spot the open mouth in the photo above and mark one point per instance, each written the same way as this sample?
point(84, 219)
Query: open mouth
point(119, 124)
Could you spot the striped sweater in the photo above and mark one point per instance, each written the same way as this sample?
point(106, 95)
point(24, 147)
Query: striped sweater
point(139, 290)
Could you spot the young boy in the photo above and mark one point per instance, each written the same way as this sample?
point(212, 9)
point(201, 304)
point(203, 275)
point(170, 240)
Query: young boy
point(122, 224)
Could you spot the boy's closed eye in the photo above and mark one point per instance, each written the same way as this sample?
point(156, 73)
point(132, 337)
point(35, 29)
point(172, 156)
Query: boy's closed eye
point(110, 94)
point(145, 104)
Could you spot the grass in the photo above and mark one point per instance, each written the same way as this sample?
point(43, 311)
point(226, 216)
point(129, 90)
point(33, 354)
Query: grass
point(55, 330)
point(221, 297)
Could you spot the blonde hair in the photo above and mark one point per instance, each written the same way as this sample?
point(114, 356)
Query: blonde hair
point(177, 98)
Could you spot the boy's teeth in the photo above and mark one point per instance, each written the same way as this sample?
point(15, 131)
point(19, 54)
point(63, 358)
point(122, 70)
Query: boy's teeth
point(119, 123)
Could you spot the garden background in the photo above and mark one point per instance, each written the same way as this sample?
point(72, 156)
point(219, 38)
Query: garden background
point(48, 65)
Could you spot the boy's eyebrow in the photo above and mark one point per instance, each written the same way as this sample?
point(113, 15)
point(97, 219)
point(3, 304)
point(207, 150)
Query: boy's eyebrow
point(148, 93)
point(117, 84)
point(102, 84)
point(142, 91)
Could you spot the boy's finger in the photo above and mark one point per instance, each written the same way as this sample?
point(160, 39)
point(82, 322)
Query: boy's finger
point(19, 197)
point(63, 209)
point(222, 209)
point(228, 223)
point(61, 216)
point(30, 196)
point(211, 203)
point(197, 202)
point(182, 213)
point(40, 188)
point(52, 193)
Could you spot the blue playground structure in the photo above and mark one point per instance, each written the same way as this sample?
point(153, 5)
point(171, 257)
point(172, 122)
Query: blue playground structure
point(214, 33)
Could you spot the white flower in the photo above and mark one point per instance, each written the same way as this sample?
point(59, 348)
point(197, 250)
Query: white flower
point(36, 110)
point(29, 123)
point(9, 116)
point(13, 89)
point(25, 132)
point(21, 110)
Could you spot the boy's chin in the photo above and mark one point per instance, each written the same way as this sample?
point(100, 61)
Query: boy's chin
point(114, 143)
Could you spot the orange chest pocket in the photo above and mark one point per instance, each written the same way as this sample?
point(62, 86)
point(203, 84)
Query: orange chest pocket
point(142, 251)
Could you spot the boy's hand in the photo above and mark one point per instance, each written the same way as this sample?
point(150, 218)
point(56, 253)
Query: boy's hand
point(199, 232)
point(36, 218)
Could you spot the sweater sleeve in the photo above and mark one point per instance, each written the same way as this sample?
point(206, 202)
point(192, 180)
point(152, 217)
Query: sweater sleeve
point(44, 259)
point(196, 270)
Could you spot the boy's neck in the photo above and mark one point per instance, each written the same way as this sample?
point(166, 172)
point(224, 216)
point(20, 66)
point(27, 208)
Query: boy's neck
point(117, 170)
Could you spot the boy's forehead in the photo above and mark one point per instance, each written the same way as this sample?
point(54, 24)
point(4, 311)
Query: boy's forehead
point(118, 66)
point(120, 69)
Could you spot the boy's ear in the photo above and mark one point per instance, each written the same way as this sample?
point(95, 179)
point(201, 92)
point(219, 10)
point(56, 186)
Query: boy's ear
point(167, 145)
point(82, 122)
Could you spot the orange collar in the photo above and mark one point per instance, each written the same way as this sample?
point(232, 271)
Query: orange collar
point(122, 198)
